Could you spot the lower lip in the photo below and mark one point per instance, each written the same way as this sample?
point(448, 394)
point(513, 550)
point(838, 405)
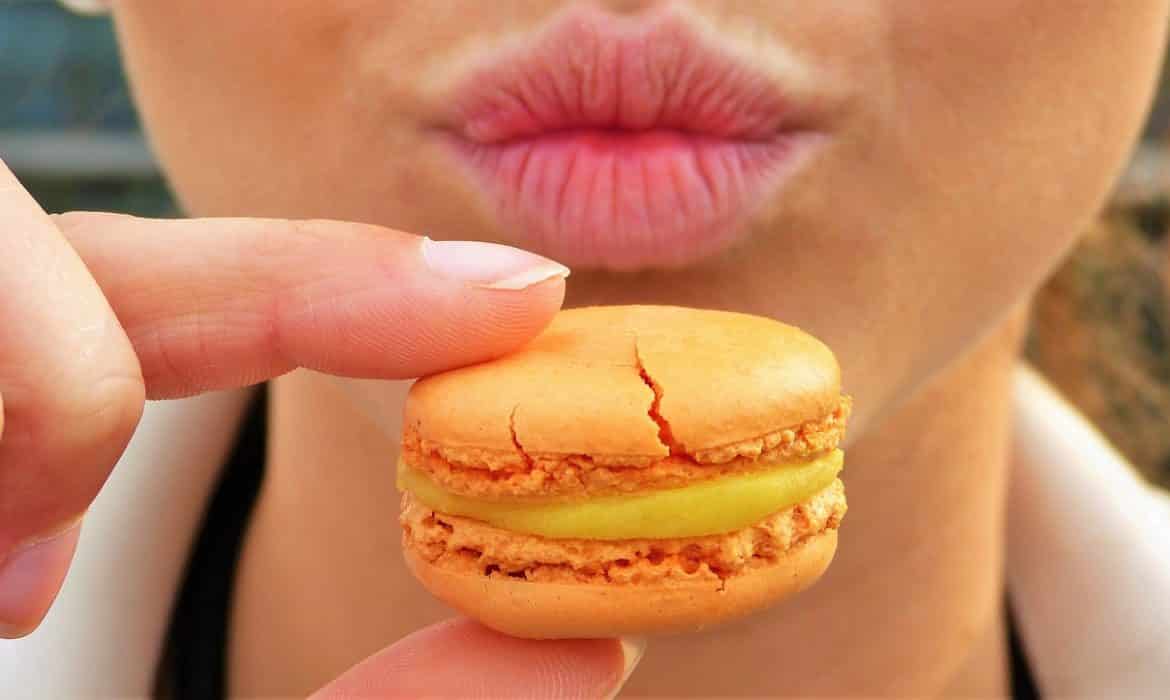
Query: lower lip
point(626, 200)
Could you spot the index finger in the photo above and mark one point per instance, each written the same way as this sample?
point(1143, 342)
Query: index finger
point(216, 303)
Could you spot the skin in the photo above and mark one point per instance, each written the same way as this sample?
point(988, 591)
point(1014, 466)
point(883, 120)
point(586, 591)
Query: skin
point(971, 142)
point(917, 148)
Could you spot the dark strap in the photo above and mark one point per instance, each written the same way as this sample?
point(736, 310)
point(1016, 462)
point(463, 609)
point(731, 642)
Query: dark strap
point(1023, 684)
point(193, 665)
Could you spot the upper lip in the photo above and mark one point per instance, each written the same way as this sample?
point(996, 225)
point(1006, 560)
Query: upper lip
point(593, 71)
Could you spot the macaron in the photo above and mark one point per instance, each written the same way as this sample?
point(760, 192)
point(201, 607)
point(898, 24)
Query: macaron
point(632, 470)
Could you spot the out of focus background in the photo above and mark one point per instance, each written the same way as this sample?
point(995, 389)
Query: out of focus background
point(1101, 328)
point(67, 126)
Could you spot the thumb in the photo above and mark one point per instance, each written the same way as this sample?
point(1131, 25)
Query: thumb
point(463, 659)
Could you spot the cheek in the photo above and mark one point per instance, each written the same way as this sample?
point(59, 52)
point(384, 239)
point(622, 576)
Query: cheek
point(985, 139)
point(1012, 117)
point(1012, 120)
point(245, 100)
point(1009, 121)
point(310, 110)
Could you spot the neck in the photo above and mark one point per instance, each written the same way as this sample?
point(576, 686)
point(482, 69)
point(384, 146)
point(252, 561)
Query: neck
point(911, 606)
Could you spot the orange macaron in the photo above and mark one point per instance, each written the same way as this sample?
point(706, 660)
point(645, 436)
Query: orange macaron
point(633, 470)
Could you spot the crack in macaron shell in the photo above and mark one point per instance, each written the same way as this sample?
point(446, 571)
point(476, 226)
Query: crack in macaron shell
point(665, 435)
point(484, 474)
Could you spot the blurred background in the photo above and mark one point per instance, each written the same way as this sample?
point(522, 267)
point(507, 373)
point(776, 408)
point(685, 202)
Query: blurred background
point(1101, 328)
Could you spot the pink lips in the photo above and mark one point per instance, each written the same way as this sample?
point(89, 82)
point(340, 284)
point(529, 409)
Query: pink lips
point(610, 143)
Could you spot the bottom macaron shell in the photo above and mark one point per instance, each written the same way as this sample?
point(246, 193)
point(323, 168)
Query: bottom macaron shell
point(536, 610)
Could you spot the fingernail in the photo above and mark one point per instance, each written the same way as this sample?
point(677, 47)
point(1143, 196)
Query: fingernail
point(490, 265)
point(30, 577)
point(632, 650)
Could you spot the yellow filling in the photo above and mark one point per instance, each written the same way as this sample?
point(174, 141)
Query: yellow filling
point(710, 507)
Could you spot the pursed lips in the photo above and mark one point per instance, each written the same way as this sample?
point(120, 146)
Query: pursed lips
point(626, 143)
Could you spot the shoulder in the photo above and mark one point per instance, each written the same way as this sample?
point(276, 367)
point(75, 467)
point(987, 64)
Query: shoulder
point(1088, 568)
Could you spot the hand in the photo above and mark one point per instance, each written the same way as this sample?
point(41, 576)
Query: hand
point(99, 312)
point(461, 659)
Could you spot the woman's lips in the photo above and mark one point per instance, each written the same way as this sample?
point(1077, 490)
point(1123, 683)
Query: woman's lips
point(598, 198)
point(625, 144)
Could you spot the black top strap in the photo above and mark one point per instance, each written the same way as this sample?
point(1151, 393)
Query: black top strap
point(193, 665)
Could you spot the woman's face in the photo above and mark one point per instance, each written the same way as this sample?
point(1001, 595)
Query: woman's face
point(892, 175)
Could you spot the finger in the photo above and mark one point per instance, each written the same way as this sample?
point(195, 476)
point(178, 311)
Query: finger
point(73, 394)
point(462, 659)
point(213, 303)
point(31, 576)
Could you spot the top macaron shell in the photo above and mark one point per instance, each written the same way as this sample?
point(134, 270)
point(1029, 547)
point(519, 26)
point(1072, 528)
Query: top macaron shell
point(632, 381)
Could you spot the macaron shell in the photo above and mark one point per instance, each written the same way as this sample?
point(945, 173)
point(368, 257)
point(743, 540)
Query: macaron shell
point(726, 377)
point(567, 611)
point(562, 394)
point(573, 410)
point(584, 386)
